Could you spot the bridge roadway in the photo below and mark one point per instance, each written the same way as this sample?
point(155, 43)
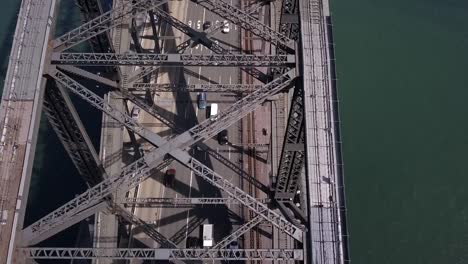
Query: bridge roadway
point(22, 101)
point(20, 111)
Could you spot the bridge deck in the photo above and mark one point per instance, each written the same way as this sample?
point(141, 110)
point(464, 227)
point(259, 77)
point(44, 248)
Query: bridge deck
point(322, 159)
point(20, 115)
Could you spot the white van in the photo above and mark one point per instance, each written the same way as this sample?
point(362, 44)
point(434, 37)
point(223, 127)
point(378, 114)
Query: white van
point(207, 235)
point(213, 110)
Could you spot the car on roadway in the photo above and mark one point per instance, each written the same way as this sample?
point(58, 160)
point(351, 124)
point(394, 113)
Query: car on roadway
point(201, 100)
point(225, 28)
point(223, 137)
point(206, 25)
point(233, 245)
point(135, 112)
point(169, 178)
point(193, 242)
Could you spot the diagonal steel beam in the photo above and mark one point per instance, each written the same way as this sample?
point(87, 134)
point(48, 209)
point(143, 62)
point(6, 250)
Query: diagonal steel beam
point(32, 239)
point(163, 254)
point(136, 172)
point(247, 22)
point(67, 125)
point(238, 233)
point(261, 209)
point(174, 60)
point(88, 75)
point(140, 74)
point(202, 38)
point(103, 23)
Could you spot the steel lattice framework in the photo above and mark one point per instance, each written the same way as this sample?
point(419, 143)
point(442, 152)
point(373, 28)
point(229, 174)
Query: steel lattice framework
point(139, 170)
point(216, 88)
point(163, 254)
point(283, 73)
point(148, 59)
point(103, 23)
point(247, 22)
point(157, 201)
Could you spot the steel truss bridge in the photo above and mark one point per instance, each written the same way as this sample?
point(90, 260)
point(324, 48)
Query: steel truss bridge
point(307, 202)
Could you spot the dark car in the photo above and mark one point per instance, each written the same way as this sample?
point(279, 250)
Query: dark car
point(193, 242)
point(169, 177)
point(201, 100)
point(223, 137)
point(206, 25)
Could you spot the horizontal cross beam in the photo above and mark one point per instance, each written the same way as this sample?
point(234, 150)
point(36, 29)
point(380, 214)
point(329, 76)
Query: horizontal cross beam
point(163, 254)
point(212, 87)
point(175, 60)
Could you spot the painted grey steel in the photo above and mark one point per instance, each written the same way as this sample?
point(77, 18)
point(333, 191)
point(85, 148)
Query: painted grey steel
point(31, 239)
point(261, 209)
point(136, 172)
point(292, 159)
point(147, 228)
point(163, 254)
point(104, 22)
point(160, 202)
point(67, 125)
point(89, 10)
point(140, 74)
point(238, 233)
point(88, 75)
point(192, 33)
point(247, 22)
point(215, 88)
point(176, 60)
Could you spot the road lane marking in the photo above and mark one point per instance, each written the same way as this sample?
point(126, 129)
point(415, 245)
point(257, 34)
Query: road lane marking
point(199, 73)
point(229, 152)
point(230, 79)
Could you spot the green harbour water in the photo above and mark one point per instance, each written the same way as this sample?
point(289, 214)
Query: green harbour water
point(403, 85)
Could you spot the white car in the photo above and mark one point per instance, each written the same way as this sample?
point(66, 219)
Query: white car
point(225, 28)
point(135, 113)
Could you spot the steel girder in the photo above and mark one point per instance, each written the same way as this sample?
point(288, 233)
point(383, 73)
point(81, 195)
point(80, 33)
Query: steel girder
point(88, 75)
point(140, 74)
point(71, 132)
point(179, 202)
point(288, 25)
point(212, 30)
point(289, 20)
point(148, 229)
point(215, 88)
point(177, 60)
point(192, 33)
point(31, 238)
point(292, 159)
point(261, 209)
point(163, 254)
point(91, 9)
point(247, 22)
point(202, 37)
point(103, 23)
point(136, 172)
point(292, 156)
point(238, 233)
